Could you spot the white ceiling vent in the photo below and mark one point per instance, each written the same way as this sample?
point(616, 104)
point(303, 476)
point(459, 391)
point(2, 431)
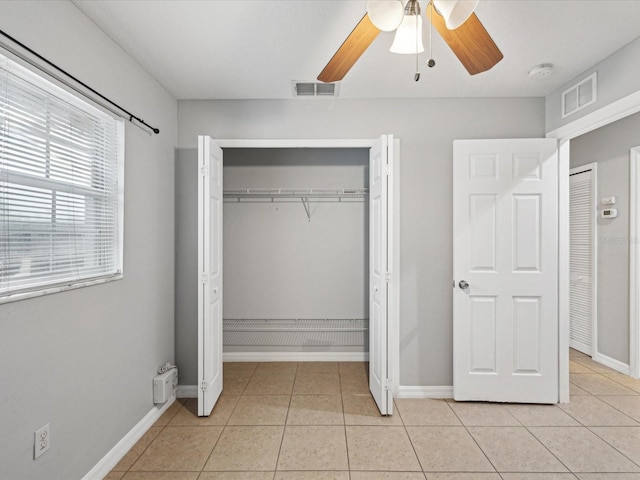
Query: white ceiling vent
point(579, 96)
point(315, 89)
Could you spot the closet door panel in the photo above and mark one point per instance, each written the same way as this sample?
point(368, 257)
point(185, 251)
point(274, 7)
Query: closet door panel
point(581, 287)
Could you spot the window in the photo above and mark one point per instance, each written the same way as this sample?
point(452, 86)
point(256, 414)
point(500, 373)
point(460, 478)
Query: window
point(61, 184)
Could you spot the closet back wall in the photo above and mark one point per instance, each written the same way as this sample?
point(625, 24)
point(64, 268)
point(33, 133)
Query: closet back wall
point(280, 264)
point(346, 238)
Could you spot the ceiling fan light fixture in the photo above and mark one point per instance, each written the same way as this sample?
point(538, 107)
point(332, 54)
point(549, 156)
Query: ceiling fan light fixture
point(455, 12)
point(408, 37)
point(386, 15)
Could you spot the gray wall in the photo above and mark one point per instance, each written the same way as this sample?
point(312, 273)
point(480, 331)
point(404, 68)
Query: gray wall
point(83, 360)
point(609, 146)
point(618, 76)
point(186, 265)
point(426, 129)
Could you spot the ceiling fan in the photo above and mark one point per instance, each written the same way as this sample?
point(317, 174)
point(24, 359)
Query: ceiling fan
point(453, 19)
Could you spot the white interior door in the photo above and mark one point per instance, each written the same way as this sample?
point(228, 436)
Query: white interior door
point(380, 255)
point(505, 302)
point(582, 223)
point(209, 274)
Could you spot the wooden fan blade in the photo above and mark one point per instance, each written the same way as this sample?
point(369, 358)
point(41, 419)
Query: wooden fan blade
point(471, 43)
point(349, 52)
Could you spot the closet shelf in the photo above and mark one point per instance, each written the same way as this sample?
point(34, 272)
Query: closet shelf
point(306, 193)
point(295, 332)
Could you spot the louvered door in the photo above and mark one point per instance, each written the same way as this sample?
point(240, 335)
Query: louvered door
point(582, 213)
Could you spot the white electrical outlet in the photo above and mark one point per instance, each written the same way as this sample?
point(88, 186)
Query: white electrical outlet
point(42, 441)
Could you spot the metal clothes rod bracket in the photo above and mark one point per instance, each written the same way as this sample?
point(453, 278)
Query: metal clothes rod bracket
point(127, 114)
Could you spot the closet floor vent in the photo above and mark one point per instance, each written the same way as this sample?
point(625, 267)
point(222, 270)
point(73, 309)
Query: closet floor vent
point(296, 332)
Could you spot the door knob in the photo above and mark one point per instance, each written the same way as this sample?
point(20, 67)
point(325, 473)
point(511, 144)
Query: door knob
point(463, 284)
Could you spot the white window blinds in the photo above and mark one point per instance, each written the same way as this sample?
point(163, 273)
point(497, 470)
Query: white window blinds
point(60, 183)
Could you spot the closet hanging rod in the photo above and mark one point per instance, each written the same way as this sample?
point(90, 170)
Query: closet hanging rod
point(296, 192)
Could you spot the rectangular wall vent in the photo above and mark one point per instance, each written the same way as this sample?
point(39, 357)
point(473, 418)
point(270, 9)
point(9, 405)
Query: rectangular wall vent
point(579, 96)
point(305, 89)
point(315, 89)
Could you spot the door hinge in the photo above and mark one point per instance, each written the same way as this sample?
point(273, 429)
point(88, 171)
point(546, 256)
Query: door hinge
point(204, 170)
point(388, 384)
point(204, 386)
point(387, 277)
point(205, 278)
point(387, 169)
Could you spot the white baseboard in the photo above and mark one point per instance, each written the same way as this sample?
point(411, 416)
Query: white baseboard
point(295, 357)
point(111, 459)
point(611, 363)
point(581, 347)
point(191, 391)
point(444, 391)
point(187, 391)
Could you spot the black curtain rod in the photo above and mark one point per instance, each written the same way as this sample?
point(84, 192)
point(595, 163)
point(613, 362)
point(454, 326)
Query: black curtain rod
point(131, 116)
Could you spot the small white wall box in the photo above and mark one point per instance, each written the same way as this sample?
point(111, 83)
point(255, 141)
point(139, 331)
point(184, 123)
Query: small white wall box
point(609, 200)
point(164, 385)
point(609, 213)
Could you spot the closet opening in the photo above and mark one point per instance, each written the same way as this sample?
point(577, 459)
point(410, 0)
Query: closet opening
point(296, 254)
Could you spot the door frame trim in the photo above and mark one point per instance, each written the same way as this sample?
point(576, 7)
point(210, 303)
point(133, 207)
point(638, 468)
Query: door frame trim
point(634, 262)
point(393, 338)
point(603, 116)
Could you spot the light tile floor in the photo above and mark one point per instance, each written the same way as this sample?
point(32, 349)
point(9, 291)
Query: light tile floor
point(288, 421)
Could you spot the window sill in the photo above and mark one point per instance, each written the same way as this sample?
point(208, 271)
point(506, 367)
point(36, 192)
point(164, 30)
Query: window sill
point(56, 289)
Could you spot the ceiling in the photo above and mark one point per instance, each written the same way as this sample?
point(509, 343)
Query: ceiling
point(254, 49)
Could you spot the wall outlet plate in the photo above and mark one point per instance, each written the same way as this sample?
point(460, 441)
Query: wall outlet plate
point(42, 441)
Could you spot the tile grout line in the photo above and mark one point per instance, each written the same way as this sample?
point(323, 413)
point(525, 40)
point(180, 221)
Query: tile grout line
point(474, 439)
point(224, 428)
point(413, 447)
point(637, 424)
point(613, 446)
point(344, 423)
point(582, 425)
point(500, 475)
point(631, 393)
point(226, 422)
point(162, 428)
point(547, 448)
point(284, 427)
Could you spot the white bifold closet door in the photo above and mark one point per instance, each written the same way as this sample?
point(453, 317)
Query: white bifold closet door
point(209, 274)
point(582, 266)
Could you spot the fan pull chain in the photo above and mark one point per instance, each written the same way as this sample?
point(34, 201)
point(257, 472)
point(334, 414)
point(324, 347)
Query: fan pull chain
point(416, 77)
point(431, 62)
